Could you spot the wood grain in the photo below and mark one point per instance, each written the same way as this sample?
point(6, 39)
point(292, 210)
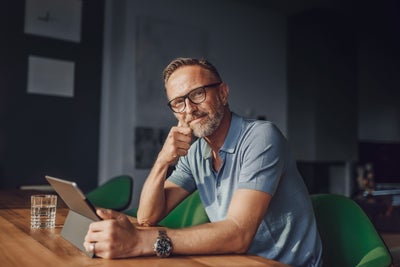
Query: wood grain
point(22, 246)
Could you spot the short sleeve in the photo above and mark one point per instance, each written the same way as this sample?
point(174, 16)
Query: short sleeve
point(263, 156)
point(182, 175)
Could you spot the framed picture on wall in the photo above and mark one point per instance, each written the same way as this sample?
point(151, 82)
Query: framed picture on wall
point(50, 76)
point(60, 19)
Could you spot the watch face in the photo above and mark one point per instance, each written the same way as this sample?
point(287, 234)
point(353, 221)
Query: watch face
point(163, 247)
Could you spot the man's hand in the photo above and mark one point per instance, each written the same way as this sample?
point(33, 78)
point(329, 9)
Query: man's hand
point(114, 237)
point(177, 144)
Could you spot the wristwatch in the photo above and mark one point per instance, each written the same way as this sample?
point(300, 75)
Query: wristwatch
point(163, 245)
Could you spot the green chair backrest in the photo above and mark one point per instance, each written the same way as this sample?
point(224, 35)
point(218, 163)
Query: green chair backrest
point(349, 238)
point(115, 194)
point(189, 212)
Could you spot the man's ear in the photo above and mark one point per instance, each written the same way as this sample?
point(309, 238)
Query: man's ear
point(223, 93)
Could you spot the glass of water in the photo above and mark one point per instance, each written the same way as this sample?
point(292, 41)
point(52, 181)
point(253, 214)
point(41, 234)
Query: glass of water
point(43, 211)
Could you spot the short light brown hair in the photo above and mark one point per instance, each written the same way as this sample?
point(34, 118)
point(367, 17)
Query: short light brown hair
point(180, 62)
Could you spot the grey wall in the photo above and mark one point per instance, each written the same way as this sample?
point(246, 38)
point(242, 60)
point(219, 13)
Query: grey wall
point(247, 44)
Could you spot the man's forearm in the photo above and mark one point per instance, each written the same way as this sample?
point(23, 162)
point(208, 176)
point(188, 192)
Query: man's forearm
point(223, 237)
point(232, 235)
point(212, 238)
point(152, 199)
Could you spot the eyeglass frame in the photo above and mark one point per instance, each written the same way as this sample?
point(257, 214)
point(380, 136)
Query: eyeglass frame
point(184, 97)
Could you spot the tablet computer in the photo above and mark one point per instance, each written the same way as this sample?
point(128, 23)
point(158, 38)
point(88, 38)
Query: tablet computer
point(73, 197)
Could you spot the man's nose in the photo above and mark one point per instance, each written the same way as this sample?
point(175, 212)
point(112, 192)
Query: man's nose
point(189, 106)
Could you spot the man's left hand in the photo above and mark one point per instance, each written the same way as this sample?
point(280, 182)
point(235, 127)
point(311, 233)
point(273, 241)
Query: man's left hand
point(113, 237)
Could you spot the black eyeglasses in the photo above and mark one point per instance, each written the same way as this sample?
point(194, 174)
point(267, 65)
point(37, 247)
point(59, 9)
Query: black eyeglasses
point(196, 96)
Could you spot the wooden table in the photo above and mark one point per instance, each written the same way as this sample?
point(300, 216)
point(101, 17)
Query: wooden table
point(22, 246)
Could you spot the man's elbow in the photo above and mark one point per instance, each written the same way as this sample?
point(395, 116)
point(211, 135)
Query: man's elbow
point(242, 240)
point(242, 236)
point(144, 220)
point(243, 245)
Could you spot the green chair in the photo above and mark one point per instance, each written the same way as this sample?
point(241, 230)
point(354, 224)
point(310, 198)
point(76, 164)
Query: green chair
point(114, 194)
point(189, 212)
point(348, 236)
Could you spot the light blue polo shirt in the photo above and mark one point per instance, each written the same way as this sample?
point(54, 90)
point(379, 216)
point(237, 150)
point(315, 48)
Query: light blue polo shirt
point(255, 156)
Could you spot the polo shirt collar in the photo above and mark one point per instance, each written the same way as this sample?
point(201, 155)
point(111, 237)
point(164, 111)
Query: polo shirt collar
point(232, 137)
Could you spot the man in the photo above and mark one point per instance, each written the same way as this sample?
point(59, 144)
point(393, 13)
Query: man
point(252, 192)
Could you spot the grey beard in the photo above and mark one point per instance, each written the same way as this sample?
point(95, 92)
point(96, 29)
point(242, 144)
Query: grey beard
point(210, 125)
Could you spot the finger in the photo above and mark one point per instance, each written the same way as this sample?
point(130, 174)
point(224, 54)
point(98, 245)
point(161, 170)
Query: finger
point(99, 226)
point(184, 128)
point(187, 131)
point(96, 250)
point(182, 138)
point(180, 131)
point(107, 214)
point(89, 239)
point(95, 231)
point(184, 144)
point(99, 250)
point(179, 135)
point(87, 245)
point(181, 152)
point(182, 123)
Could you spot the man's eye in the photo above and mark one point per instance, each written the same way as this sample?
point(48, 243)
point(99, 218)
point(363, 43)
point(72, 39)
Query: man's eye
point(177, 102)
point(196, 94)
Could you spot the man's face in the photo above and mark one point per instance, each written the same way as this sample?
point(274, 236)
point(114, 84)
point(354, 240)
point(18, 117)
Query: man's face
point(203, 118)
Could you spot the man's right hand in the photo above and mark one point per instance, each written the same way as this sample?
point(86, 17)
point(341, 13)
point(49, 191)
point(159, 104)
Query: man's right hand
point(176, 144)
